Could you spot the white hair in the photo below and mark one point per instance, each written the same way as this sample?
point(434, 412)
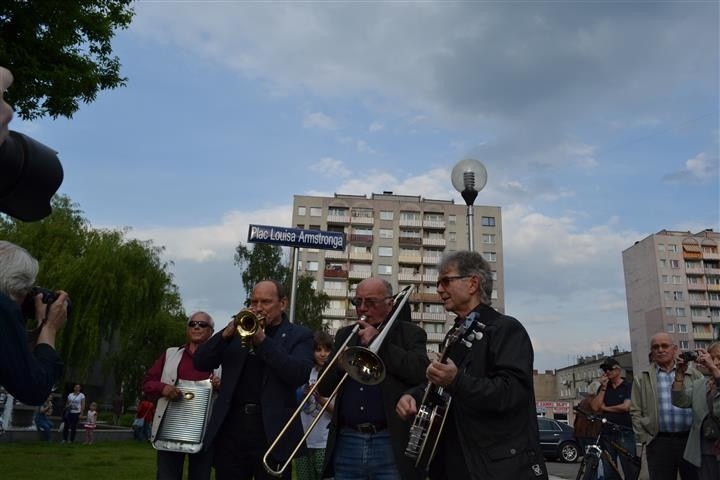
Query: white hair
point(18, 270)
point(209, 318)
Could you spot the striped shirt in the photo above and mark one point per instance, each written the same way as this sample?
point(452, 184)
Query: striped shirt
point(670, 417)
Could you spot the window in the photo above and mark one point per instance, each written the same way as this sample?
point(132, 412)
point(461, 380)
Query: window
point(452, 236)
point(488, 221)
point(494, 294)
point(670, 328)
point(689, 265)
point(362, 231)
point(385, 269)
point(452, 219)
point(315, 211)
point(337, 211)
point(412, 216)
point(676, 280)
point(684, 345)
point(362, 212)
point(494, 276)
point(386, 233)
point(702, 345)
point(661, 247)
point(669, 311)
point(385, 251)
point(386, 215)
point(682, 328)
point(714, 296)
point(312, 266)
point(663, 263)
point(667, 295)
point(712, 280)
point(301, 211)
point(678, 296)
point(488, 238)
point(672, 248)
point(335, 285)
point(433, 217)
point(666, 279)
point(490, 256)
point(674, 263)
point(680, 311)
point(698, 312)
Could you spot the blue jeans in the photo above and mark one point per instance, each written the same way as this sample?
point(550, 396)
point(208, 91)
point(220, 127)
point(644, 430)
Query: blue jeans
point(44, 425)
point(364, 456)
point(625, 439)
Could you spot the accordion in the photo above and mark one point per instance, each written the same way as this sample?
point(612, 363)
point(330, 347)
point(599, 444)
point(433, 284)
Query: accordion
point(182, 427)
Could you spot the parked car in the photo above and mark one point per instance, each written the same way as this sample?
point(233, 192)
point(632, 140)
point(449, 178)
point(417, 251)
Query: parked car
point(557, 440)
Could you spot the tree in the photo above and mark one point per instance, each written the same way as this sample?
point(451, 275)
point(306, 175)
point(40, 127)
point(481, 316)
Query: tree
point(60, 52)
point(264, 261)
point(124, 301)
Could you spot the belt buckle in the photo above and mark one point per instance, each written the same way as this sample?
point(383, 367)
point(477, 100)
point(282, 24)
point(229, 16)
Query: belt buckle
point(366, 428)
point(251, 408)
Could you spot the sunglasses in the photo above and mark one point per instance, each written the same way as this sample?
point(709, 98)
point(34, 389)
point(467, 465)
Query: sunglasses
point(194, 324)
point(445, 281)
point(369, 302)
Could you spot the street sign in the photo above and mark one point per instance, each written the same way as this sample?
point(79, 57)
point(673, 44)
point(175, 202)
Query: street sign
point(296, 237)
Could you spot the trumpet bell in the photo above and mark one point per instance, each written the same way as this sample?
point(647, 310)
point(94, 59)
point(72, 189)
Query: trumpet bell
point(247, 323)
point(363, 365)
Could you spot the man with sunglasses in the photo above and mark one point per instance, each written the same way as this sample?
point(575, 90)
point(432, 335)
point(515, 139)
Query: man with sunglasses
point(658, 424)
point(160, 382)
point(366, 439)
point(613, 401)
point(491, 430)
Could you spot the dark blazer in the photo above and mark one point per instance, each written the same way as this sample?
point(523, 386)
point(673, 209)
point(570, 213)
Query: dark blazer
point(493, 405)
point(288, 358)
point(404, 354)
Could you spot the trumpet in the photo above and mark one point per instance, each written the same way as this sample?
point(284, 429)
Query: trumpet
point(362, 364)
point(247, 323)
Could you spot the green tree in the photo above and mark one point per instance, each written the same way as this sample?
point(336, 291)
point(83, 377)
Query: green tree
point(60, 52)
point(264, 261)
point(124, 301)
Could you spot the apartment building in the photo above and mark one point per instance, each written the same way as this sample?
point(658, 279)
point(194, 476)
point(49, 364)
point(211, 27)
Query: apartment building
point(400, 238)
point(672, 283)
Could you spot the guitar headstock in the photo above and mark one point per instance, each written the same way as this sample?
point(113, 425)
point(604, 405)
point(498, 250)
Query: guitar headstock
point(467, 332)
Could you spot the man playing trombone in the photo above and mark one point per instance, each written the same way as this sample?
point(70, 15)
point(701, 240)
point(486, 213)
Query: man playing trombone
point(260, 376)
point(366, 439)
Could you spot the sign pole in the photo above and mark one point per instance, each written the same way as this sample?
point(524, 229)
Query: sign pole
point(293, 288)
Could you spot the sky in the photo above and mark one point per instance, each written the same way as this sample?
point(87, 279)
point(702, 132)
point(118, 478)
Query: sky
point(597, 123)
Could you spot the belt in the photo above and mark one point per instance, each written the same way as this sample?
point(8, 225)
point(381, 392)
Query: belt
point(368, 427)
point(251, 409)
point(673, 434)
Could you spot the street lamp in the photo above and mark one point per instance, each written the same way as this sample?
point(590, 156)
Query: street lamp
point(469, 177)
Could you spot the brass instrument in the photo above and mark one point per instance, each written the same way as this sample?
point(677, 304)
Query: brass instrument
point(247, 323)
point(362, 364)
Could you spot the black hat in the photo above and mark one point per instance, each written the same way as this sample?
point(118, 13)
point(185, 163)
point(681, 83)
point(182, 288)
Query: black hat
point(30, 174)
point(609, 364)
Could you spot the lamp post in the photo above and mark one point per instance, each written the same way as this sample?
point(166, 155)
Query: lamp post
point(469, 177)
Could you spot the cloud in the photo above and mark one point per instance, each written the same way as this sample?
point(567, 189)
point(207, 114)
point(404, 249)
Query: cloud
point(330, 167)
point(320, 121)
point(702, 168)
point(376, 127)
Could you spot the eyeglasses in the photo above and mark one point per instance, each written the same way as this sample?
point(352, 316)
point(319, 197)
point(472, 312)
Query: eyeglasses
point(664, 346)
point(368, 302)
point(445, 281)
point(194, 324)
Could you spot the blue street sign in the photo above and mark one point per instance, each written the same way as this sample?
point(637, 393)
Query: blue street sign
point(296, 237)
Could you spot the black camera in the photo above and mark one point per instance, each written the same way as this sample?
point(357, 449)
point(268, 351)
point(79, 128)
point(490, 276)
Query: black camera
point(689, 356)
point(48, 297)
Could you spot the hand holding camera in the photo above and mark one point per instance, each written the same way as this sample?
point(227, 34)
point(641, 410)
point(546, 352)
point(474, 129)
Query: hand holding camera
point(50, 310)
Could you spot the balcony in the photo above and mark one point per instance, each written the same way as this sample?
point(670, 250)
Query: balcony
point(696, 286)
point(336, 254)
point(362, 220)
point(334, 312)
point(409, 277)
point(335, 273)
point(431, 259)
point(361, 239)
point(711, 256)
point(425, 297)
point(713, 287)
point(694, 270)
point(437, 317)
point(434, 224)
point(692, 255)
point(410, 241)
point(404, 222)
point(361, 256)
point(361, 274)
point(712, 271)
point(414, 259)
point(430, 277)
point(344, 219)
point(714, 303)
point(416, 315)
point(433, 242)
point(698, 302)
point(701, 319)
point(336, 293)
point(703, 336)
point(435, 337)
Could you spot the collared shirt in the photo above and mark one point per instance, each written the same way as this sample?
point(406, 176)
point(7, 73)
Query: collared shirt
point(670, 417)
point(361, 404)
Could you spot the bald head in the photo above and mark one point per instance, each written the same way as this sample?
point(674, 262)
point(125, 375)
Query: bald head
point(663, 350)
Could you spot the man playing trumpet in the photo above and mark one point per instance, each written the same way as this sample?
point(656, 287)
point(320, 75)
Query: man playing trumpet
point(260, 377)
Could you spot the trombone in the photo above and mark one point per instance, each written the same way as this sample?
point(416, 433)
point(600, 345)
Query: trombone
point(362, 364)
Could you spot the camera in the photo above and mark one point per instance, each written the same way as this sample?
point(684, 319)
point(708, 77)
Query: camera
point(689, 356)
point(48, 297)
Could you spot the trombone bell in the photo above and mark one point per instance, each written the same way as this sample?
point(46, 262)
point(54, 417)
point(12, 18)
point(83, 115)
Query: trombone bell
point(363, 365)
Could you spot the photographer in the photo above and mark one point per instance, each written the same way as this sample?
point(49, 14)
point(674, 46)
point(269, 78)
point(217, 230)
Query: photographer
point(27, 371)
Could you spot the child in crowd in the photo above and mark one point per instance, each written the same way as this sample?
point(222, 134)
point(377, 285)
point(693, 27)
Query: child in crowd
point(310, 467)
point(90, 423)
point(42, 422)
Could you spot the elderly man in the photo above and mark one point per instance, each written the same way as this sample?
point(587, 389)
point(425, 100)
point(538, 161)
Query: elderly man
point(257, 397)
point(161, 382)
point(491, 430)
point(657, 423)
point(366, 439)
point(27, 373)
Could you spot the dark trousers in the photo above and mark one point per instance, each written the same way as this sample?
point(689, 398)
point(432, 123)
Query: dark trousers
point(665, 459)
point(239, 449)
point(170, 465)
point(71, 421)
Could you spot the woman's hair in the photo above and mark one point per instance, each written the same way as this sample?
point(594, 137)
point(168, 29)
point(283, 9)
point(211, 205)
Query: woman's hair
point(322, 339)
point(713, 347)
point(18, 270)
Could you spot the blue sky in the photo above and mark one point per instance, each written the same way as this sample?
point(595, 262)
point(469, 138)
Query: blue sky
point(597, 123)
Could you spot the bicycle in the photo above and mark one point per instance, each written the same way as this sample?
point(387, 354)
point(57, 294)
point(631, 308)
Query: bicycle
point(595, 452)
